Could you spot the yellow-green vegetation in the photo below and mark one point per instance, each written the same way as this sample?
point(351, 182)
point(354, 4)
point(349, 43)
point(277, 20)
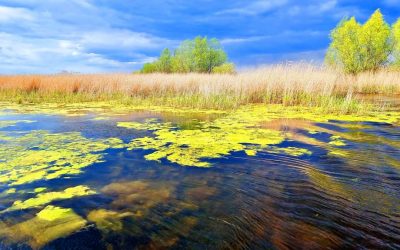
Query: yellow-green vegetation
point(212, 140)
point(46, 198)
point(396, 37)
point(5, 124)
point(290, 85)
point(40, 155)
point(337, 141)
point(200, 55)
point(108, 220)
point(241, 130)
point(39, 189)
point(356, 48)
point(49, 224)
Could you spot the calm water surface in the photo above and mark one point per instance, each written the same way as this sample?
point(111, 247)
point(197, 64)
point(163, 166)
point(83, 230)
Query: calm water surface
point(338, 196)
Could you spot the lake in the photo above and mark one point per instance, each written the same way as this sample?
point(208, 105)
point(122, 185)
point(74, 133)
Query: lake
point(74, 177)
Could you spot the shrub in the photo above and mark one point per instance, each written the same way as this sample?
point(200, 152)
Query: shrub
point(226, 68)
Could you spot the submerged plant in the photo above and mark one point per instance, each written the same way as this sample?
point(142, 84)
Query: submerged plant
point(49, 224)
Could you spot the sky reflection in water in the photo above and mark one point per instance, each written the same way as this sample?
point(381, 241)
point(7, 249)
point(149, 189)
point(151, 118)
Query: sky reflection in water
point(162, 180)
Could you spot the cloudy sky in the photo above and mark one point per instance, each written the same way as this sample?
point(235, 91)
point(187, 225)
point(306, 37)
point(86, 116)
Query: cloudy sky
point(49, 36)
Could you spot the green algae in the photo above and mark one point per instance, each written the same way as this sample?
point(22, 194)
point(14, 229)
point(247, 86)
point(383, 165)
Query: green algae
point(234, 131)
point(237, 131)
point(337, 141)
point(292, 151)
point(5, 124)
point(46, 198)
point(40, 155)
point(49, 224)
point(103, 108)
point(189, 147)
point(39, 189)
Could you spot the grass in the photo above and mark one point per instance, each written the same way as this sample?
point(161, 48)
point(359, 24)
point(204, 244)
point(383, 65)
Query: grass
point(299, 84)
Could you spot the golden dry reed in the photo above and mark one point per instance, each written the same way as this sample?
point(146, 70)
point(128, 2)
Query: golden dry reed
point(297, 84)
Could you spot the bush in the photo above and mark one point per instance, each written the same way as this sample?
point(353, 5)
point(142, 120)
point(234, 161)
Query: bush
point(226, 68)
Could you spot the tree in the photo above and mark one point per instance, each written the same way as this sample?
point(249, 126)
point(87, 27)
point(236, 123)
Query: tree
point(183, 60)
point(396, 38)
point(198, 55)
point(164, 62)
point(149, 68)
point(344, 50)
point(375, 42)
point(357, 47)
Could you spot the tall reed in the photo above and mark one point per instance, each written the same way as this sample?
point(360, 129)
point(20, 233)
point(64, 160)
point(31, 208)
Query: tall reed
point(298, 84)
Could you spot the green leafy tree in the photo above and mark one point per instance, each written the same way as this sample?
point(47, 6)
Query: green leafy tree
point(183, 60)
point(357, 47)
point(149, 68)
point(344, 50)
point(396, 38)
point(164, 63)
point(199, 55)
point(375, 42)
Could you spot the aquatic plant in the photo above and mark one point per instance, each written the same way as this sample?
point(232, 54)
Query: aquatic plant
point(138, 196)
point(46, 198)
point(41, 155)
point(241, 130)
point(49, 224)
point(107, 220)
point(5, 124)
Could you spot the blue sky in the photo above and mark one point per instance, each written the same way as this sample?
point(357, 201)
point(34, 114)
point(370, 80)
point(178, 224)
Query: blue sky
point(49, 36)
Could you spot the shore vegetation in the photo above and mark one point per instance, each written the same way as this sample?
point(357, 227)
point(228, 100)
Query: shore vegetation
point(289, 85)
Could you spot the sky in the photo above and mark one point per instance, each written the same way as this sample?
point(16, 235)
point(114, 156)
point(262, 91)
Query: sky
point(92, 36)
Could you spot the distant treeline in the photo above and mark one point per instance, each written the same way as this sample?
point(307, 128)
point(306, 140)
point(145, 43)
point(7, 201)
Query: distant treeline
point(370, 46)
point(200, 55)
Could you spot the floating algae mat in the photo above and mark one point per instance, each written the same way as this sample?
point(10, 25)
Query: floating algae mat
point(108, 176)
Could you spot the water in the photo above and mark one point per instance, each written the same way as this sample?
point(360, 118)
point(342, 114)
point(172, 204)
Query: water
point(338, 187)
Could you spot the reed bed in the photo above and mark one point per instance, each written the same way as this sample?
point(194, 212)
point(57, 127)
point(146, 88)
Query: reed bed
point(299, 84)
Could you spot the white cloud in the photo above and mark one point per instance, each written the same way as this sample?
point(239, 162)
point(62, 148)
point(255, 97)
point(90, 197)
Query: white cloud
point(44, 39)
point(229, 41)
point(8, 14)
point(310, 56)
point(117, 38)
point(255, 8)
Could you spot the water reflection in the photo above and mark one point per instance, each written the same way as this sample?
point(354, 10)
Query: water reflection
point(271, 183)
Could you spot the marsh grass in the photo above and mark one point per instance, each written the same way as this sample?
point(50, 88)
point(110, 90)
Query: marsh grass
point(299, 84)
